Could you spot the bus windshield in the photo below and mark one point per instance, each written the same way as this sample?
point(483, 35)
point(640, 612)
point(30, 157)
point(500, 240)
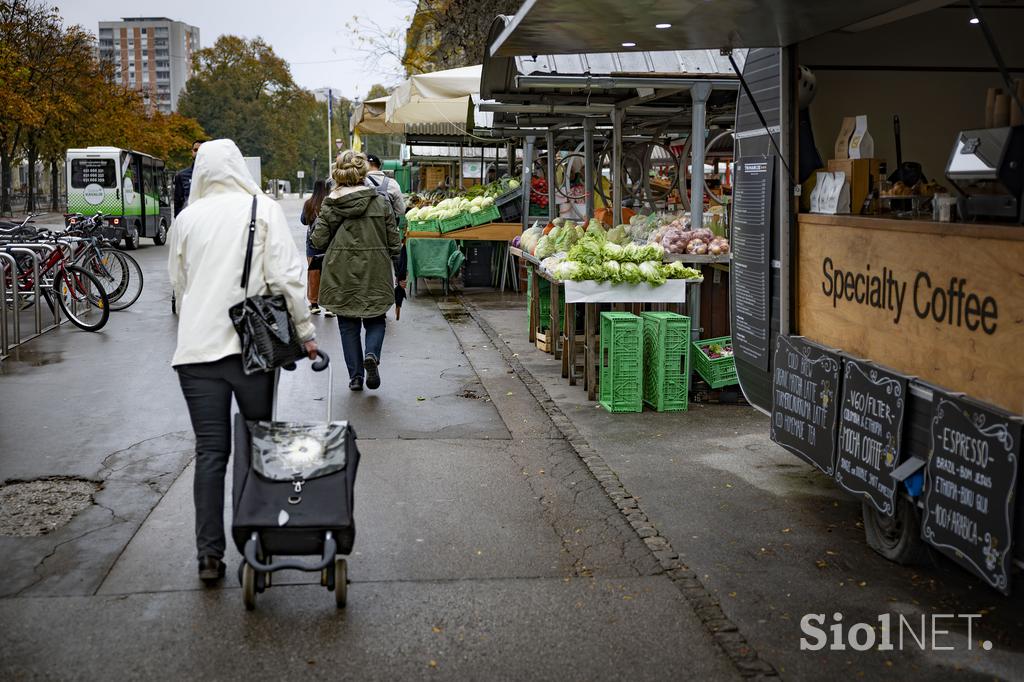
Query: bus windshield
point(101, 172)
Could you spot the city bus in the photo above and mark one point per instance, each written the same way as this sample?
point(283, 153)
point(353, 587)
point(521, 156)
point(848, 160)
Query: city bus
point(130, 187)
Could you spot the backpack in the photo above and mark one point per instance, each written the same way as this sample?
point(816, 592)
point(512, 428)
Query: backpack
point(382, 190)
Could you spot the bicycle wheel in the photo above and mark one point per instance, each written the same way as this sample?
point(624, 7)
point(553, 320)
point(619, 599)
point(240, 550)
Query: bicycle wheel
point(110, 270)
point(131, 286)
point(81, 297)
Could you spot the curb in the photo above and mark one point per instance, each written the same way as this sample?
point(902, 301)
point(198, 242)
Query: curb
point(707, 607)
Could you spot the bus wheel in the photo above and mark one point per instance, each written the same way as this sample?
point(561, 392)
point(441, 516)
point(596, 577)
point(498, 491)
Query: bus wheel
point(132, 239)
point(160, 238)
point(897, 538)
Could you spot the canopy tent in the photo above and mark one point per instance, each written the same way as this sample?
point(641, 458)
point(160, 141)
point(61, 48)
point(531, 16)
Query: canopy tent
point(439, 97)
point(368, 119)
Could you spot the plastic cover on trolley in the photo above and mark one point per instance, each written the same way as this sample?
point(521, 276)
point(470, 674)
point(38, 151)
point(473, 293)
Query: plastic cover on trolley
point(285, 451)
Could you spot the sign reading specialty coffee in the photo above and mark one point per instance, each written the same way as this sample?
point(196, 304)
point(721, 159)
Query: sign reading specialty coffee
point(870, 432)
point(972, 474)
point(805, 400)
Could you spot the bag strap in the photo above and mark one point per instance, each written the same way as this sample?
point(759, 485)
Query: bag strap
point(248, 248)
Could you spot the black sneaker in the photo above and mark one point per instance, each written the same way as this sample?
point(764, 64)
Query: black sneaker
point(315, 309)
point(211, 570)
point(356, 384)
point(372, 373)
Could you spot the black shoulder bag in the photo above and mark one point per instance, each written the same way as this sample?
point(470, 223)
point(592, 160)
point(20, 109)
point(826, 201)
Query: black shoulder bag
point(263, 324)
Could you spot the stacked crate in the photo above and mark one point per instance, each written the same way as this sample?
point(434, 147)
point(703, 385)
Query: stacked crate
point(622, 356)
point(666, 361)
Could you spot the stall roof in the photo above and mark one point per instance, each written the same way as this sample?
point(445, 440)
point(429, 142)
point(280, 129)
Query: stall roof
point(368, 119)
point(587, 26)
point(438, 97)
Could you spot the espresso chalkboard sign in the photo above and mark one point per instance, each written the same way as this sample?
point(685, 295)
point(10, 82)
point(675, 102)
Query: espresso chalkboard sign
point(805, 400)
point(870, 432)
point(972, 472)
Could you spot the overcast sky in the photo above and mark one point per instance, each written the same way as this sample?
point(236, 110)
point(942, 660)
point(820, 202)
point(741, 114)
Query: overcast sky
point(315, 43)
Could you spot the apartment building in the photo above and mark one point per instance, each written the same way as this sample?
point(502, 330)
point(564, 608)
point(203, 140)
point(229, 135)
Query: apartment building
point(150, 54)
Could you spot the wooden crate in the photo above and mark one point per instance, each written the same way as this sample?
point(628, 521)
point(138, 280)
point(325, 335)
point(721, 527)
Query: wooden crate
point(545, 341)
point(434, 176)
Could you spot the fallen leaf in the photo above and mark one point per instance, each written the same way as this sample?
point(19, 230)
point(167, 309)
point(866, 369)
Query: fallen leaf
point(435, 629)
point(510, 393)
point(732, 594)
point(433, 663)
point(862, 583)
point(785, 530)
point(420, 398)
point(821, 563)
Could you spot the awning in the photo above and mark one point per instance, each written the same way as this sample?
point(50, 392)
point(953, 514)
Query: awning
point(368, 119)
point(581, 26)
point(439, 97)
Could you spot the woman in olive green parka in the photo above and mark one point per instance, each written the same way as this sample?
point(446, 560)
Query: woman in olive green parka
point(360, 235)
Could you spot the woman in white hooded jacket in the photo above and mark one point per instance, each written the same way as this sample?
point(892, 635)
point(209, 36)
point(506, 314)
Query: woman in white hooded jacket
point(207, 253)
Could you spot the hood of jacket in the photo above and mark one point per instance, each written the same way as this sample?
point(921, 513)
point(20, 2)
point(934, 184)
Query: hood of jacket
point(349, 202)
point(219, 169)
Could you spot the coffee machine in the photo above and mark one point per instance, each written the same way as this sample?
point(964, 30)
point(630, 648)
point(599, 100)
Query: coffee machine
point(987, 170)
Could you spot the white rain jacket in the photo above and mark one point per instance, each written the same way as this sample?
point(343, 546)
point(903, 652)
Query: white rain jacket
point(207, 252)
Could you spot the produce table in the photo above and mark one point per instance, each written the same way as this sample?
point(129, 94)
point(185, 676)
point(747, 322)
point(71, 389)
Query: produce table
point(631, 298)
point(490, 232)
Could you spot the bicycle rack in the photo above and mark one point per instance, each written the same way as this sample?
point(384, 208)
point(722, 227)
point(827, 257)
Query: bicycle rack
point(16, 295)
point(39, 284)
point(5, 345)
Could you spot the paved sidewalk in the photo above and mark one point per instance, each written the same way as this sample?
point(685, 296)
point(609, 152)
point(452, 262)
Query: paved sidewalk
point(769, 537)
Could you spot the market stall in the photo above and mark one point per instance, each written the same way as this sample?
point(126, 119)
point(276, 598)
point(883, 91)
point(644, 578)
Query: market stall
point(875, 311)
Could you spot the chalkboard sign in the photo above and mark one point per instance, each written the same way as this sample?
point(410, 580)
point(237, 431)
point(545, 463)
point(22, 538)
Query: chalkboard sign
point(805, 400)
point(870, 432)
point(971, 482)
point(749, 272)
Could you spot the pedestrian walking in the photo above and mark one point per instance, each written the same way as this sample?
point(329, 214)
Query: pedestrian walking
point(390, 190)
point(205, 263)
point(357, 229)
point(314, 257)
point(183, 181)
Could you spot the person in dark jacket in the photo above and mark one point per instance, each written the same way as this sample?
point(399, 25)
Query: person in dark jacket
point(314, 257)
point(358, 230)
point(183, 181)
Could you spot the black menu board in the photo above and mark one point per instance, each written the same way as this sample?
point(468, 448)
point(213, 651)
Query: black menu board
point(805, 400)
point(971, 481)
point(749, 271)
point(870, 432)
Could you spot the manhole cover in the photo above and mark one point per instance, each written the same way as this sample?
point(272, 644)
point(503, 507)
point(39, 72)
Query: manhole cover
point(29, 508)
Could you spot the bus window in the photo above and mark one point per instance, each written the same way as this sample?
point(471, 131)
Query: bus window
point(102, 172)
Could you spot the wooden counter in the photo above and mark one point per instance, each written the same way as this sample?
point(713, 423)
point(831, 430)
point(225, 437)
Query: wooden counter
point(488, 232)
point(940, 301)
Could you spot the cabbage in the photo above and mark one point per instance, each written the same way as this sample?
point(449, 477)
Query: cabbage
point(677, 270)
point(652, 272)
point(568, 269)
point(545, 247)
point(612, 270)
point(618, 235)
point(588, 250)
point(611, 251)
point(630, 272)
point(595, 227)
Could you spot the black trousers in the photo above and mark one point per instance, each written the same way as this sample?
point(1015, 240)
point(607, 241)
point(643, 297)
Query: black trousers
point(208, 388)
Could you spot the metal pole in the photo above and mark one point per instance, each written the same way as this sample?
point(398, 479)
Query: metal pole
point(330, 138)
point(7, 260)
point(460, 167)
point(588, 160)
point(528, 146)
point(699, 93)
point(552, 203)
point(617, 166)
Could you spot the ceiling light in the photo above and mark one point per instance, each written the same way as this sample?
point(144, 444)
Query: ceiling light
point(975, 20)
point(663, 26)
point(629, 44)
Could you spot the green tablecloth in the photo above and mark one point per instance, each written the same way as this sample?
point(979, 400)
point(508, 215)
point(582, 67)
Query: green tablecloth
point(432, 258)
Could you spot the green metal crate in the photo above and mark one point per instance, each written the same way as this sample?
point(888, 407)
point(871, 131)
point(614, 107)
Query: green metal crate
point(487, 215)
point(622, 357)
point(456, 223)
point(424, 226)
point(717, 372)
point(666, 361)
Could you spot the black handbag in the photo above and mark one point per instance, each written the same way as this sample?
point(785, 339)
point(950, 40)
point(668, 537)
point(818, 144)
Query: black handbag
point(263, 323)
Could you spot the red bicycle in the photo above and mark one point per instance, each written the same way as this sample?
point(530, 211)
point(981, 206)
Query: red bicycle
point(78, 293)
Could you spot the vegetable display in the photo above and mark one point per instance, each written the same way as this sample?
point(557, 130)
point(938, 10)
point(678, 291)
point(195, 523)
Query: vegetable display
point(595, 257)
point(449, 208)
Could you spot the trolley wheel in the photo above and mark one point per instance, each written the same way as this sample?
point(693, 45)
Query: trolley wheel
point(249, 587)
point(340, 583)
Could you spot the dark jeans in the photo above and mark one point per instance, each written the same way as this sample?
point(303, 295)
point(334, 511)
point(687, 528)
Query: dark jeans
point(208, 388)
point(351, 343)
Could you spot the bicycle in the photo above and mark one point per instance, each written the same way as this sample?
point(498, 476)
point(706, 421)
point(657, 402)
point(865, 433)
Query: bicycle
point(77, 292)
point(120, 274)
